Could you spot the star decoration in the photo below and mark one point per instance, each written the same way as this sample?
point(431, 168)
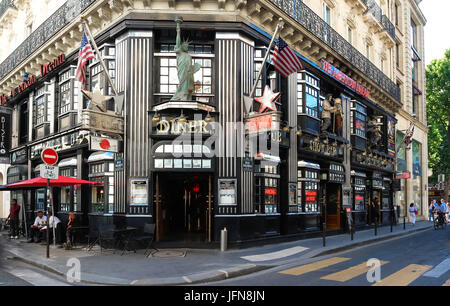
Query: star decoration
point(96, 99)
point(267, 100)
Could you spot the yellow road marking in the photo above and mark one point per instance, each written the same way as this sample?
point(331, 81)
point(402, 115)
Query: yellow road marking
point(404, 277)
point(352, 272)
point(447, 283)
point(314, 266)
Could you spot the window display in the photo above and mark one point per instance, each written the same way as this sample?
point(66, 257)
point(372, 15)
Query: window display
point(307, 188)
point(266, 187)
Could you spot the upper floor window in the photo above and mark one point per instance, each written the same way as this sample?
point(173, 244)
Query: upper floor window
point(168, 73)
point(368, 51)
point(413, 34)
point(396, 14)
point(349, 34)
point(358, 119)
point(327, 13)
point(309, 102)
point(23, 122)
point(98, 77)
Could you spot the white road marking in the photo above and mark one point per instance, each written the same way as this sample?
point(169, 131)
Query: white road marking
point(440, 269)
point(275, 255)
point(35, 278)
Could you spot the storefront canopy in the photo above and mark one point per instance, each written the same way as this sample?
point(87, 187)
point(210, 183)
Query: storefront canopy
point(40, 182)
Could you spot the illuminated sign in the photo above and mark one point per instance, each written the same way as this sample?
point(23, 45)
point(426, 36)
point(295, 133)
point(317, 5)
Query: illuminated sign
point(270, 191)
point(359, 197)
point(344, 79)
point(259, 123)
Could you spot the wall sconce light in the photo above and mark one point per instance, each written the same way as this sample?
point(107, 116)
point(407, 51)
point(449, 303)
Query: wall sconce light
point(182, 117)
point(208, 118)
point(316, 139)
point(156, 118)
point(299, 131)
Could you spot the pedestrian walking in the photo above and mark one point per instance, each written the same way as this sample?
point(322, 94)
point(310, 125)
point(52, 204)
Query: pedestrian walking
point(13, 217)
point(431, 209)
point(412, 213)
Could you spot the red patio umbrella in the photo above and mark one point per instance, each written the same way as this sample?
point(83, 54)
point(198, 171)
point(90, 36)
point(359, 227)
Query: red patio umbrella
point(42, 182)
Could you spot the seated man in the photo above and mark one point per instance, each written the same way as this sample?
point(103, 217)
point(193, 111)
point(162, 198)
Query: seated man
point(54, 221)
point(38, 227)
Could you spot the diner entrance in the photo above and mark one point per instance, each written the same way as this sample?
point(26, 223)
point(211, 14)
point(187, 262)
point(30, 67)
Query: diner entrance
point(183, 207)
point(333, 202)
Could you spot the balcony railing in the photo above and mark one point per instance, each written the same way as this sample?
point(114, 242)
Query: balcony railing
point(64, 15)
point(388, 26)
point(372, 7)
point(4, 5)
point(301, 13)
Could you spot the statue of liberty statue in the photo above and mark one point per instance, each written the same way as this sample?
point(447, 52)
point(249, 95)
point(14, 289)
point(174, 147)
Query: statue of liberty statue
point(185, 68)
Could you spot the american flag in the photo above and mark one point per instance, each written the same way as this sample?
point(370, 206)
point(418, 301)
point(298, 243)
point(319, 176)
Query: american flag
point(285, 60)
point(84, 56)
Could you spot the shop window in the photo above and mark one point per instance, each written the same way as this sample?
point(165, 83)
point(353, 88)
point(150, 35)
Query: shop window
point(307, 188)
point(168, 73)
point(360, 195)
point(40, 106)
point(266, 188)
point(98, 195)
point(101, 171)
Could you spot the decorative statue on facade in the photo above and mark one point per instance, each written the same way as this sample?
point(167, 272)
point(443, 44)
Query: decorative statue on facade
point(374, 133)
point(327, 109)
point(185, 68)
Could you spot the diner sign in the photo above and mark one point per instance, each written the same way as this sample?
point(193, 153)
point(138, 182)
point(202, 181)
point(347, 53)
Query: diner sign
point(32, 79)
point(47, 68)
point(344, 79)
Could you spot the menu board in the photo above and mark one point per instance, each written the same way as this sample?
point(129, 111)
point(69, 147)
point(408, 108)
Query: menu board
point(227, 192)
point(139, 192)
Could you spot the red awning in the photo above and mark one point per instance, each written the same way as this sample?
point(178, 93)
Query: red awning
point(42, 182)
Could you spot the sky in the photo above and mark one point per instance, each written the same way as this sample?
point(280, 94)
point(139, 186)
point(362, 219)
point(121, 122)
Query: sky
point(437, 28)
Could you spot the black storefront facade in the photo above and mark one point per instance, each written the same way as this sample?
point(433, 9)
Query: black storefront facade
point(186, 166)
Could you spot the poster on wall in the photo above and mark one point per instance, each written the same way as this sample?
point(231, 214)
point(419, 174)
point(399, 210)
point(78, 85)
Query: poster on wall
point(390, 125)
point(227, 192)
point(139, 192)
point(5, 134)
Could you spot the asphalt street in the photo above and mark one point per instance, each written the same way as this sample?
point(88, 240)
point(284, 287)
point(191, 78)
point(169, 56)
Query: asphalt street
point(17, 273)
point(421, 259)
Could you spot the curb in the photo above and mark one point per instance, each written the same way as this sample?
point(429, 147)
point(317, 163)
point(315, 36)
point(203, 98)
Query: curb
point(370, 241)
point(203, 277)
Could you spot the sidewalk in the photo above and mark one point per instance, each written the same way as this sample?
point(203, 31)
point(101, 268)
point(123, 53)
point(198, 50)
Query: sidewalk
point(187, 266)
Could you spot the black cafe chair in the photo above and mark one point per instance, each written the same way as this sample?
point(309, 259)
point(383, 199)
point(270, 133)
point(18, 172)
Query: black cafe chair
point(106, 235)
point(149, 234)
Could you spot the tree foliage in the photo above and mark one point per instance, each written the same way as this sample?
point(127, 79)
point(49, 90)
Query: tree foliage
point(438, 115)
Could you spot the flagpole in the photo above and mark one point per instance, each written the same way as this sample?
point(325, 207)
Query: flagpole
point(278, 28)
point(86, 28)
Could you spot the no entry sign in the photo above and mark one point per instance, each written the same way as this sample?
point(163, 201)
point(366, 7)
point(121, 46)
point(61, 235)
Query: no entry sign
point(49, 156)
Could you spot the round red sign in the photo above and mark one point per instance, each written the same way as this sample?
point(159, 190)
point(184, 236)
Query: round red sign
point(49, 156)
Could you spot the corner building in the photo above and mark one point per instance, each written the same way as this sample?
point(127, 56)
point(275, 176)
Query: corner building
point(195, 186)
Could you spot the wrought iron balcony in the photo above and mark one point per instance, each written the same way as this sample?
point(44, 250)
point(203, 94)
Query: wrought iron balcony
point(388, 26)
point(373, 7)
point(4, 5)
point(305, 16)
point(64, 15)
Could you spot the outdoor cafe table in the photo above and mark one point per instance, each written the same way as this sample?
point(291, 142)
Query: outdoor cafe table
point(124, 236)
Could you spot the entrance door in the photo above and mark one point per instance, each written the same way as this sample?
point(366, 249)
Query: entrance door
point(333, 201)
point(183, 213)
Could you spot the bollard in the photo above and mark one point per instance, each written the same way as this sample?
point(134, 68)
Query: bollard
point(223, 239)
point(404, 222)
point(376, 222)
point(324, 226)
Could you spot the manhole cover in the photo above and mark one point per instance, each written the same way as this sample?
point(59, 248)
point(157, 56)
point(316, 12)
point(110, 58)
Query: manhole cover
point(168, 253)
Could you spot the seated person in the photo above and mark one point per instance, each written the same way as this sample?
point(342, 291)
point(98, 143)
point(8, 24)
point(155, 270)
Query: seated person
point(38, 228)
point(69, 232)
point(54, 221)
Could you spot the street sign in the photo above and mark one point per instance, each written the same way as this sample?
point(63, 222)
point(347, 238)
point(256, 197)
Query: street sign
point(49, 156)
point(49, 172)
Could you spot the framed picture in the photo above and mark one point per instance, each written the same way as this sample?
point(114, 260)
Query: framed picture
point(139, 191)
point(227, 192)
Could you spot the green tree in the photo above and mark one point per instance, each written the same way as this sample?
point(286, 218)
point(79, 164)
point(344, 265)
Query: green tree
point(438, 117)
